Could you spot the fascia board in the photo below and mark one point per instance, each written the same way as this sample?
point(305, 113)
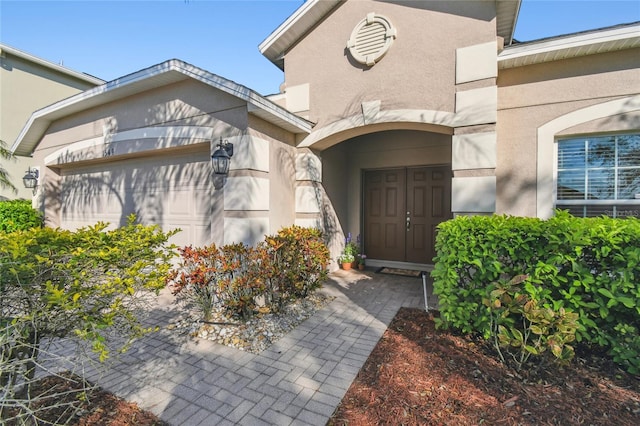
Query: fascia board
point(287, 25)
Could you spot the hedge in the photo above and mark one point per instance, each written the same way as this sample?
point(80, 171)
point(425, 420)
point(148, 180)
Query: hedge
point(590, 266)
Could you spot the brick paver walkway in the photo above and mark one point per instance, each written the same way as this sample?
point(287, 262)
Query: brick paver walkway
point(299, 380)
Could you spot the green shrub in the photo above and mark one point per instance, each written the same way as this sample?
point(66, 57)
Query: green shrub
point(300, 261)
point(88, 285)
point(81, 282)
point(18, 215)
point(588, 266)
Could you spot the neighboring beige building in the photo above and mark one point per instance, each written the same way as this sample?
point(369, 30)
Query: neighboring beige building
point(393, 117)
point(28, 83)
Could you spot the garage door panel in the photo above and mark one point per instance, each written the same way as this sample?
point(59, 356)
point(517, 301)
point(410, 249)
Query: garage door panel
point(189, 234)
point(171, 195)
point(179, 203)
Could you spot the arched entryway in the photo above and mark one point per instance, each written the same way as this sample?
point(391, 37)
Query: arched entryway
point(373, 180)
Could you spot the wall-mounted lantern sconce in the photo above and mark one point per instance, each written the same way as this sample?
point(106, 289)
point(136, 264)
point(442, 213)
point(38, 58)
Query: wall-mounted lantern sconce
point(222, 157)
point(30, 179)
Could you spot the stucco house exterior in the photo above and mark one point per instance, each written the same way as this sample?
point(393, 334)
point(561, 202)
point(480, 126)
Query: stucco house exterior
point(28, 83)
point(393, 117)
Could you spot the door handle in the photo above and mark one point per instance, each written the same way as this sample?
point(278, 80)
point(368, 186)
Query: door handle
point(408, 222)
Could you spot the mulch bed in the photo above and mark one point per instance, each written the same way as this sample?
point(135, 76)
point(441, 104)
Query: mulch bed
point(417, 375)
point(98, 408)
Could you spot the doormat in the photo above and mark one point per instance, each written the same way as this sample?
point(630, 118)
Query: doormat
point(402, 272)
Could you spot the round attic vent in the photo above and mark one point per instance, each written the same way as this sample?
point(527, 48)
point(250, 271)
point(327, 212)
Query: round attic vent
point(371, 39)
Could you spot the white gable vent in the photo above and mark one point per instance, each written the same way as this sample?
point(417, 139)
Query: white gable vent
point(371, 39)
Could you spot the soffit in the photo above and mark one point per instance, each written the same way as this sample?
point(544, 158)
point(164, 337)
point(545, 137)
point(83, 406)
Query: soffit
point(570, 46)
point(294, 28)
point(163, 74)
point(506, 17)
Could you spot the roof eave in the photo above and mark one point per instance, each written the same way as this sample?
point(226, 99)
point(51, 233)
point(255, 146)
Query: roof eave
point(165, 73)
point(293, 28)
point(40, 120)
point(570, 46)
point(507, 12)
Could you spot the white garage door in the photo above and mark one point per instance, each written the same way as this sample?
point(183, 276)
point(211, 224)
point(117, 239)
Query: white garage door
point(174, 191)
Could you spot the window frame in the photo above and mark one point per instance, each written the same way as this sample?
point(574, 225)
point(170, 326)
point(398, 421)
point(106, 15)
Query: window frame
point(585, 203)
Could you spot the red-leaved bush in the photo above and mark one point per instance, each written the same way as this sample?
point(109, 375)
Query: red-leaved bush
point(283, 267)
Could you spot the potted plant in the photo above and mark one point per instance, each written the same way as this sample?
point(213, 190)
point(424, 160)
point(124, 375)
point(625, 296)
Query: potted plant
point(348, 255)
point(346, 259)
point(361, 261)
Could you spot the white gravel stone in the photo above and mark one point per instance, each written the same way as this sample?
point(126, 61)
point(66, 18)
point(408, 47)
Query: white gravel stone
point(259, 332)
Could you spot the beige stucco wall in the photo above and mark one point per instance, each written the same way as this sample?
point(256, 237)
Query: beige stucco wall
point(24, 88)
point(418, 72)
point(529, 97)
point(186, 103)
point(149, 154)
point(282, 186)
point(438, 75)
point(622, 122)
point(280, 190)
point(15, 169)
point(182, 105)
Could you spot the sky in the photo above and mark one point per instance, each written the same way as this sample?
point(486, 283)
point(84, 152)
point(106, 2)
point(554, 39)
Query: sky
point(110, 39)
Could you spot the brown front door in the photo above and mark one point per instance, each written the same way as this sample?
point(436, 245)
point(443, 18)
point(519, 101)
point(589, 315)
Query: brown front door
point(402, 208)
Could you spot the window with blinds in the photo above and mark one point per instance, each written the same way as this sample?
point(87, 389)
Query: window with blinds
point(599, 175)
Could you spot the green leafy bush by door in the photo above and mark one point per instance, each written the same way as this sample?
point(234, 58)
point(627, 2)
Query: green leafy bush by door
point(586, 266)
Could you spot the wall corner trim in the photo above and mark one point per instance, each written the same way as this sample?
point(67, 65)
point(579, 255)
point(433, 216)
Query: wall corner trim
point(477, 62)
point(473, 194)
point(474, 151)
